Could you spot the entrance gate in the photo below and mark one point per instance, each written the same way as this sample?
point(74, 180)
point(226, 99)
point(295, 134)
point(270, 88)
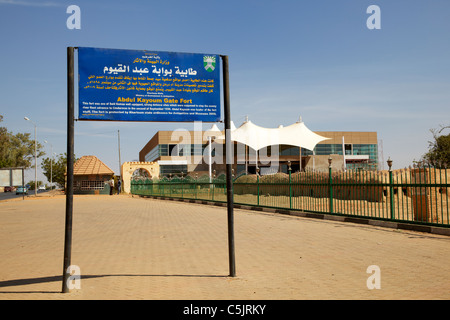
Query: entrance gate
point(128, 168)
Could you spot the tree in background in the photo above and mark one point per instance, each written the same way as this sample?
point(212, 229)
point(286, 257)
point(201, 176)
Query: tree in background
point(31, 184)
point(438, 154)
point(57, 167)
point(17, 150)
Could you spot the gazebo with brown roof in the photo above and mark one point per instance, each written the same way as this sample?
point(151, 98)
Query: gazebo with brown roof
point(91, 176)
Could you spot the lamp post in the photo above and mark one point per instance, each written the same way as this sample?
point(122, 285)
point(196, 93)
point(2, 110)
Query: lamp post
point(330, 182)
point(391, 189)
point(51, 165)
point(290, 185)
point(257, 184)
point(389, 163)
point(35, 156)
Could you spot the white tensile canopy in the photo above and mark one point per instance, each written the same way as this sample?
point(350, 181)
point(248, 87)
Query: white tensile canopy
point(214, 131)
point(257, 137)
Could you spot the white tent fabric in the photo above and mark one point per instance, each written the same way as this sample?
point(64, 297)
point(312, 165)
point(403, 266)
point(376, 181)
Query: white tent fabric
point(214, 131)
point(257, 137)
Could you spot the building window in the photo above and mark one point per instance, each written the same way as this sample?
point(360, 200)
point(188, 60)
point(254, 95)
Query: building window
point(326, 149)
point(173, 150)
point(181, 150)
point(197, 149)
point(348, 149)
point(367, 149)
point(166, 170)
point(92, 185)
point(163, 150)
point(290, 151)
point(184, 150)
point(153, 154)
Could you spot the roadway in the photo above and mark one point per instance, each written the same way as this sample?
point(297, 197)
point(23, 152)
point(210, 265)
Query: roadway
point(12, 195)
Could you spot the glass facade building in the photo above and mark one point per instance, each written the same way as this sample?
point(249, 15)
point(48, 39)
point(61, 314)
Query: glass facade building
point(358, 150)
point(176, 150)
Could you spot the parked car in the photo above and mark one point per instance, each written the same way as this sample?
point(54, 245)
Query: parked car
point(21, 190)
point(42, 187)
point(9, 189)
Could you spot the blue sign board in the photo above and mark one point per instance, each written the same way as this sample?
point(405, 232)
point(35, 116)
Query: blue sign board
point(130, 85)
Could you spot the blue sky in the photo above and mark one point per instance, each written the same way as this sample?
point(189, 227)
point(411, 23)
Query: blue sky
point(314, 59)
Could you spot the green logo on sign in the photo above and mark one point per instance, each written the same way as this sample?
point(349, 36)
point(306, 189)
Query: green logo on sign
point(209, 62)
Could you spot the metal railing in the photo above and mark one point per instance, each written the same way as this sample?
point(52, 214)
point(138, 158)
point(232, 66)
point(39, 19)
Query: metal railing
point(417, 195)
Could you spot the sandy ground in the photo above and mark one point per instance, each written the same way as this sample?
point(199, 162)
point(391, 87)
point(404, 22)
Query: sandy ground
point(136, 248)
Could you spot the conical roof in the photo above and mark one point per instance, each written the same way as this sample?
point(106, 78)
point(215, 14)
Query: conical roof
point(88, 165)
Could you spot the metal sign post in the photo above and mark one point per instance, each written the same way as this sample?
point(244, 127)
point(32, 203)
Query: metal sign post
point(229, 161)
point(70, 164)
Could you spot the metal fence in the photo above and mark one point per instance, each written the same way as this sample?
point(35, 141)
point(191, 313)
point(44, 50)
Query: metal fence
point(417, 195)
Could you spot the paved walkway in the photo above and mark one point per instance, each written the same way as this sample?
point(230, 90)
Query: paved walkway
point(135, 248)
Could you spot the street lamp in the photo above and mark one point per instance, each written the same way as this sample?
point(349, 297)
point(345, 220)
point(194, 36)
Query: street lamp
point(51, 165)
point(330, 183)
point(35, 156)
point(389, 163)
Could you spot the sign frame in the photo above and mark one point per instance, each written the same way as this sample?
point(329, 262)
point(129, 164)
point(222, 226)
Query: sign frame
point(148, 86)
